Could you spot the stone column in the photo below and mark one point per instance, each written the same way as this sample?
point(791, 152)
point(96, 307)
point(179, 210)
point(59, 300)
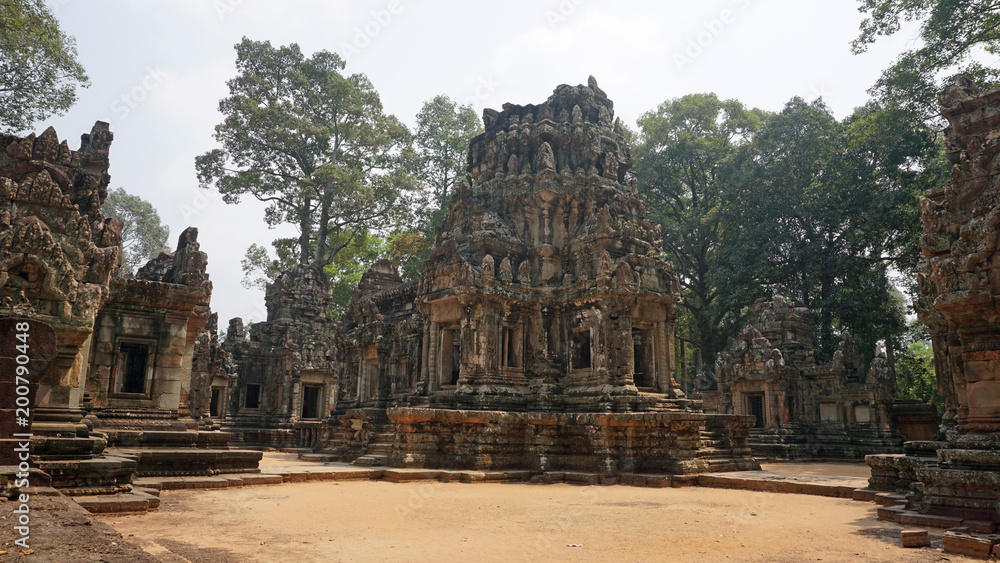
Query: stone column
point(433, 362)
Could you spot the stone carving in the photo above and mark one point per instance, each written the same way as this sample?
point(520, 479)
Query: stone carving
point(546, 161)
point(488, 267)
point(505, 269)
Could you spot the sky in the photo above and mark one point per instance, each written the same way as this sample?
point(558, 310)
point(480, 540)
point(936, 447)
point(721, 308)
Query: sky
point(159, 68)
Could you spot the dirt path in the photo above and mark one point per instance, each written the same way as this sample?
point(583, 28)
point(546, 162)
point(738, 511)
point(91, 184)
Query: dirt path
point(431, 521)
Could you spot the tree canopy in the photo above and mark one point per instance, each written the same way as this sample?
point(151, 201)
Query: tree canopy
point(444, 130)
point(824, 210)
point(681, 149)
point(952, 32)
point(314, 145)
point(39, 73)
point(143, 236)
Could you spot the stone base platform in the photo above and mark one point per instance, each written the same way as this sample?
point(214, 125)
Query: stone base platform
point(675, 443)
point(774, 482)
point(189, 461)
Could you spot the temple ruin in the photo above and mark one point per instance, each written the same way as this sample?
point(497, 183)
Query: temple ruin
point(286, 383)
point(806, 406)
point(955, 480)
point(540, 335)
point(112, 404)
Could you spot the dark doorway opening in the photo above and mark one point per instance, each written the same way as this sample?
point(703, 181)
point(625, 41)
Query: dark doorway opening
point(134, 357)
point(755, 406)
point(310, 401)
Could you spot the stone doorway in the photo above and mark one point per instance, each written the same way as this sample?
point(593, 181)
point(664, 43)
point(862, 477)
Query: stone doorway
point(311, 395)
point(754, 405)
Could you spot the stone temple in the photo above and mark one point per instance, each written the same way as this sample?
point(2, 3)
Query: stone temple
point(540, 335)
point(955, 479)
point(807, 406)
point(109, 401)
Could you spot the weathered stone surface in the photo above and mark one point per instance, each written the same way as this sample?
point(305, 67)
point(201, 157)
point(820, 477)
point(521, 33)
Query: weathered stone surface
point(914, 538)
point(286, 380)
point(806, 406)
point(959, 291)
point(540, 335)
point(57, 253)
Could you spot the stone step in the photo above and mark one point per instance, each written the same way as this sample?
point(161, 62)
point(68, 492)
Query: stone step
point(122, 502)
point(370, 460)
point(715, 453)
point(296, 450)
point(319, 458)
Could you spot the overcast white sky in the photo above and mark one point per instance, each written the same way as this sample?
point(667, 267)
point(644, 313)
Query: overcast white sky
point(158, 70)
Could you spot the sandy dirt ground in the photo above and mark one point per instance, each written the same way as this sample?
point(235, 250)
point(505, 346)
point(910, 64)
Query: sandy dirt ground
point(431, 521)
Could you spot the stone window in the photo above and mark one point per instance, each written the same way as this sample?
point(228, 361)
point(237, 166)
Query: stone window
point(581, 348)
point(829, 412)
point(311, 396)
point(252, 399)
point(400, 372)
point(368, 380)
point(513, 347)
point(134, 369)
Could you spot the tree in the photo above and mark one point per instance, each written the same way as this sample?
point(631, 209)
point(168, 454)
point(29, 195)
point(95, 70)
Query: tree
point(444, 130)
point(313, 144)
point(954, 32)
point(678, 156)
point(915, 378)
point(824, 210)
point(39, 72)
point(143, 236)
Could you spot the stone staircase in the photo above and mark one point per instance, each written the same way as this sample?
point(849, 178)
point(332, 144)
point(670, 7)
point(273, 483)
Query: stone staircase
point(379, 446)
point(716, 451)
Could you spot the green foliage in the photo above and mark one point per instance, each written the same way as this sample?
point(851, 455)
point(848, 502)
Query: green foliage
point(821, 210)
point(953, 32)
point(347, 268)
point(444, 130)
point(915, 378)
point(678, 156)
point(143, 236)
point(39, 72)
point(316, 146)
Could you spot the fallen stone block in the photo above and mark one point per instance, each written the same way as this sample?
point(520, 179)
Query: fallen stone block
point(914, 538)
